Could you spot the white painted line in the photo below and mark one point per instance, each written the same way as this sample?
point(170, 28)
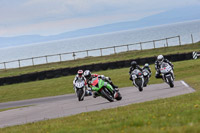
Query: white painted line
point(188, 87)
point(184, 83)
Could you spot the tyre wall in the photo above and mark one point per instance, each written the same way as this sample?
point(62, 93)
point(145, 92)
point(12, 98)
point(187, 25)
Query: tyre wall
point(92, 67)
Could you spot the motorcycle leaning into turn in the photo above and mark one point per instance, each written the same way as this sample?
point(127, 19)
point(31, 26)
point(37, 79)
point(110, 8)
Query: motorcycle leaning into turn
point(104, 89)
point(167, 74)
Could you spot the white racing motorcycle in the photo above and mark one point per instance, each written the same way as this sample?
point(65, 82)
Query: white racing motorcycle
point(167, 74)
point(80, 89)
point(138, 79)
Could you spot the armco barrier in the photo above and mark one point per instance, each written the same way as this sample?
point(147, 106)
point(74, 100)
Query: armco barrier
point(93, 67)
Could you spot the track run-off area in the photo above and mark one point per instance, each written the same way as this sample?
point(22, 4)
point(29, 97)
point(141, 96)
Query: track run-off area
point(66, 105)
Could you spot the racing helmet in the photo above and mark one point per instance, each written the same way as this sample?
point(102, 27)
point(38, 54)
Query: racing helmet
point(87, 74)
point(146, 65)
point(160, 58)
point(80, 73)
point(133, 64)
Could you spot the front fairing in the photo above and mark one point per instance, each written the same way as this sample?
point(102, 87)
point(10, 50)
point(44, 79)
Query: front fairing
point(165, 68)
point(145, 72)
point(136, 74)
point(97, 84)
point(80, 84)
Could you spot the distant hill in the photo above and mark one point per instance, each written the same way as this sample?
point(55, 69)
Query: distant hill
point(172, 16)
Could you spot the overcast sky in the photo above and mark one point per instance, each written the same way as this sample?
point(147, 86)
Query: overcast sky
point(48, 17)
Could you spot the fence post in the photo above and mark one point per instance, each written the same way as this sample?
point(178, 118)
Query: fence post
point(141, 45)
point(154, 45)
point(60, 57)
point(46, 59)
point(127, 48)
point(4, 65)
point(192, 38)
point(32, 61)
point(87, 52)
point(74, 55)
point(166, 42)
point(114, 50)
point(179, 40)
point(101, 51)
point(19, 63)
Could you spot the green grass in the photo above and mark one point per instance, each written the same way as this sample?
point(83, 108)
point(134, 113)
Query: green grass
point(110, 58)
point(175, 115)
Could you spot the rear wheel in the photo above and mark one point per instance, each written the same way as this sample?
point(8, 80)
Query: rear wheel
point(107, 95)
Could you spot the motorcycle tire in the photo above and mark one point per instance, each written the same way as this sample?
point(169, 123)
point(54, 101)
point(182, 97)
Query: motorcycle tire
point(140, 88)
point(79, 94)
point(119, 97)
point(107, 96)
point(146, 80)
point(139, 84)
point(171, 84)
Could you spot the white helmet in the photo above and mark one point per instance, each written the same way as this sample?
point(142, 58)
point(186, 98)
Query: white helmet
point(146, 65)
point(87, 74)
point(160, 58)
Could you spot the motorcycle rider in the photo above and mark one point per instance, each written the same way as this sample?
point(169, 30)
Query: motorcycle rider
point(89, 77)
point(134, 66)
point(146, 66)
point(78, 77)
point(158, 63)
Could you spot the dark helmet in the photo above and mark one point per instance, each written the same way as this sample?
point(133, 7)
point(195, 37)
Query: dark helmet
point(87, 74)
point(133, 63)
point(80, 73)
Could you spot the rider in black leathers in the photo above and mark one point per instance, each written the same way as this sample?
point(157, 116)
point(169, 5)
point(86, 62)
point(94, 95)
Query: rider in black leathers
point(134, 66)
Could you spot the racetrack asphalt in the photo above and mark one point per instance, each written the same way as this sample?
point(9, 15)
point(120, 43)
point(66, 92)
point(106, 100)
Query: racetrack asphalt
point(66, 105)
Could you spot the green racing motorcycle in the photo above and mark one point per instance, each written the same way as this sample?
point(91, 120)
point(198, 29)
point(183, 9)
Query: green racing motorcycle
point(104, 89)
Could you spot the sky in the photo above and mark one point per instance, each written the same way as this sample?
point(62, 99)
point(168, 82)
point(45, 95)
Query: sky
point(50, 17)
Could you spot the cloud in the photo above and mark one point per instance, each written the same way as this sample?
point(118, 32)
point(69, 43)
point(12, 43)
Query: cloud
point(48, 16)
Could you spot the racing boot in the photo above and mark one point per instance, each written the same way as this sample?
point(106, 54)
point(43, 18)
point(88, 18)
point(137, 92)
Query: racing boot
point(114, 86)
point(88, 93)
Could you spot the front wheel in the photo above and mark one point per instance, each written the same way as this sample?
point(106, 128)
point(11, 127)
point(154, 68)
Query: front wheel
point(139, 83)
point(80, 95)
point(140, 88)
point(170, 80)
point(119, 97)
point(107, 96)
point(146, 80)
